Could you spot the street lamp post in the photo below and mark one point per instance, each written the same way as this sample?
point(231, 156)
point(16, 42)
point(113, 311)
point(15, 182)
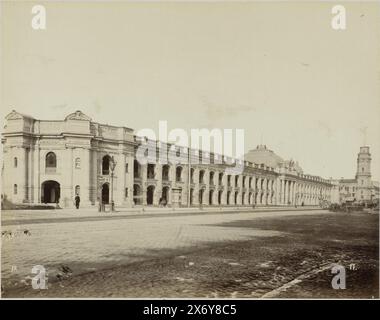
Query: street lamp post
point(112, 167)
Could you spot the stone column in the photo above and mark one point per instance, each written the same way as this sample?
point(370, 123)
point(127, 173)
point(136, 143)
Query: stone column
point(268, 191)
point(253, 190)
point(240, 186)
point(172, 179)
point(129, 180)
point(216, 189)
point(206, 193)
point(37, 174)
point(264, 191)
point(286, 192)
point(258, 189)
point(21, 174)
point(196, 187)
point(292, 192)
point(225, 189)
point(144, 175)
point(85, 172)
point(271, 191)
point(30, 175)
point(158, 188)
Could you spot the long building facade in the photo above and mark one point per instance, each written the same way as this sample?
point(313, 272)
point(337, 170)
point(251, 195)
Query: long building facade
point(53, 161)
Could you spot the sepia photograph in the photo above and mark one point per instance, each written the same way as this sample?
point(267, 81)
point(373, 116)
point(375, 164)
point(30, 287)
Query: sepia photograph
point(193, 150)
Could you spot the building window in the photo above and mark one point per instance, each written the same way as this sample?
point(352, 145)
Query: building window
point(50, 162)
point(192, 175)
point(362, 169)
point(15, 162)
point(15, 189)
point(151, 174)
point(136, 169)
point(220, 178)
point(106, 165)
point(165, 172)
point(77, 163)
point(77, 190)
point(126, 168)
point(126, 192)
point(201, 176)
point(211, 178)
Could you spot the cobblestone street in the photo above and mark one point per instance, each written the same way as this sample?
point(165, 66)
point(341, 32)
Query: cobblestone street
point(94, 244)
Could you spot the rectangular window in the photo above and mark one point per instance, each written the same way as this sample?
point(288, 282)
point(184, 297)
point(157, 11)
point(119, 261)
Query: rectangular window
point(126, 168)
point(126, 192)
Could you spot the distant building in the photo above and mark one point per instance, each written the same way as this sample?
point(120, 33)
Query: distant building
point(376, 191)
point(362, 188)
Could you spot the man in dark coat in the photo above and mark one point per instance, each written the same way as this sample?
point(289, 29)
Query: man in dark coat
point(77, 201)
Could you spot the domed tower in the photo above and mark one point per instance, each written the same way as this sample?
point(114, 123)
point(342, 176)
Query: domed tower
point(363, 175)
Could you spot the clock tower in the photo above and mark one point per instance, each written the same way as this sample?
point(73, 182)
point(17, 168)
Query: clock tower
point(363, 175)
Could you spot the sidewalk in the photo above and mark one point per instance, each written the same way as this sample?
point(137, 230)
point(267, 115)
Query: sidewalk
point(9, 217)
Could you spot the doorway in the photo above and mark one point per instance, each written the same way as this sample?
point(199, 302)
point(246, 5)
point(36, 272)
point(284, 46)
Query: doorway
point(51, 192)
point(105, 193)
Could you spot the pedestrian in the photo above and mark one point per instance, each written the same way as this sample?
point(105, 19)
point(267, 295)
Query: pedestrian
point(77, 201)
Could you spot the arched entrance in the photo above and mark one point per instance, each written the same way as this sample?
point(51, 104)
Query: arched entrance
point(201, 176)
point(165, 172)
point(150, 195)
point(220, 197)
point(201, 192)
point(105, 193)
point(210, 197)
point(50, 191)
point(191, 196)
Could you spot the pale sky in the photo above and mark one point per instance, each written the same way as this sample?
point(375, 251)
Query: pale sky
point(277, 70)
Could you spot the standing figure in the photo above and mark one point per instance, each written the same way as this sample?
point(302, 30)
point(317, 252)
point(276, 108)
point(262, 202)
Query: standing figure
point(77, 201)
